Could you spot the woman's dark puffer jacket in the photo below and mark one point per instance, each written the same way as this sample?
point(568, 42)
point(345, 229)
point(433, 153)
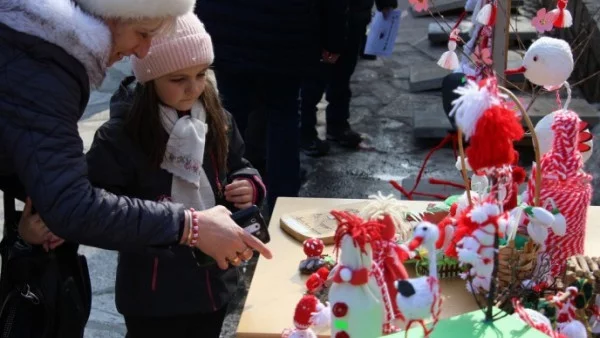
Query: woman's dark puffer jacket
point(49, 54)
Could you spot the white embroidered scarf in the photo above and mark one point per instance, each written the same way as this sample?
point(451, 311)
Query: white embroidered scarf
point(184, 156)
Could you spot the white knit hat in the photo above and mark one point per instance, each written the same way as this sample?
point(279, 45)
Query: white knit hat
point(134, 9)
point(187, 46)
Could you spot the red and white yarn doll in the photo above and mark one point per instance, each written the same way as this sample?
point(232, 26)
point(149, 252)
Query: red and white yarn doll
point(545, 135)
point(567, 322)
point(358, 309)
point(388, 255)
point(535, 319)
point(449, 60)
point(488, 125)
point(566, 184)
point(562, 16)
point(310, 312)
point(487, 15)
point(478, 226)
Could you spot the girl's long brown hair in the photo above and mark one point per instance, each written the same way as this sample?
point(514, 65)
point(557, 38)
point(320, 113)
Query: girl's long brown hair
point(144, 127)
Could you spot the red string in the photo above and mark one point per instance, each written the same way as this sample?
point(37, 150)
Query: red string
point(460, 19)
point(558, 101)
point(409, 194)
point(444, 182)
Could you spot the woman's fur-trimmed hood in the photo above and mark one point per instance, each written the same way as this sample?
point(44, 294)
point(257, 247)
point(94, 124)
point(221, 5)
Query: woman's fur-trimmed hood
point(62, 23)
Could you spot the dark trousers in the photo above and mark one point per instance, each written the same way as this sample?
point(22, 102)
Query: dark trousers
point(265, 109)
point(334, 81)
point(203, 325)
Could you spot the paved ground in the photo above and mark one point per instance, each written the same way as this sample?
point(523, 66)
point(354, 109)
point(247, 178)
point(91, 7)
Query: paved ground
point(382, 109)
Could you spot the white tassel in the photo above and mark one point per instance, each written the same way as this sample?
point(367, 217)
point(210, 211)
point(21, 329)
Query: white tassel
point(469, 107)
point(449, 60)
point(484, 16)
point(321, 318)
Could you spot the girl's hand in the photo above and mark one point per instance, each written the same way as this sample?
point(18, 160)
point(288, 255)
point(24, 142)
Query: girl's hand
point(33, 230)
point(240, 192)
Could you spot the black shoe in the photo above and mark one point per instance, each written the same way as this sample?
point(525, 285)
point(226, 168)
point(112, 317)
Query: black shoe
point(314, 147)
point(346, 137)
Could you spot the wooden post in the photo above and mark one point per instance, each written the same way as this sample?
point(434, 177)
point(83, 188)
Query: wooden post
point(500, 38)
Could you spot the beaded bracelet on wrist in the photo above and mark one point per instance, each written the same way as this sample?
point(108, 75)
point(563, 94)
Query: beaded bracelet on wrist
point(194, 229)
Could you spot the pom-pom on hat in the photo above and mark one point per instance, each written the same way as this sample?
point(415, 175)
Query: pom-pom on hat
point(187, 46)
point(136, 9)
point(304, 310)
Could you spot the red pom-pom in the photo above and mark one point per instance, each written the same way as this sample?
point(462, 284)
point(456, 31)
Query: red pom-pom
point(313, 247)
point(317, 280)
point(388, 232)
point(453, 209)
point(518, 175)
point(313, 283)
point(491, 145)
point(306, 306)
point(323, 272)
point(342, 334)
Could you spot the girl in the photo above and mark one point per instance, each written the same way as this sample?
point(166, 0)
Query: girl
point(170, 139)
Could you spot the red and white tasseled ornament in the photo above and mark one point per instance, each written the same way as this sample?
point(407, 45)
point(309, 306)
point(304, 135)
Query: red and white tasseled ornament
point(562, 16)
point(535, 319)
point(309, 312)
point(487, 14)
point(490, 126)
point(564, 182)
point(449, 60)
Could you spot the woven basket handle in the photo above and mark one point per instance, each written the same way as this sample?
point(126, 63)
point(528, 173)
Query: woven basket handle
point(536, 148)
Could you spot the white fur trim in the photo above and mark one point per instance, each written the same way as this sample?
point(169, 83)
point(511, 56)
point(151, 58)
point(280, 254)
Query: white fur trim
point(62, 23)
point(137, 8)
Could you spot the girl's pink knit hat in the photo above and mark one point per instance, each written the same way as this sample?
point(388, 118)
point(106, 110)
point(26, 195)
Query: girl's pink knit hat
point(188, 45)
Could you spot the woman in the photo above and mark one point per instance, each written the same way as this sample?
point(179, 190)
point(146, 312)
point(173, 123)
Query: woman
point(50, 52)
point(173, 113)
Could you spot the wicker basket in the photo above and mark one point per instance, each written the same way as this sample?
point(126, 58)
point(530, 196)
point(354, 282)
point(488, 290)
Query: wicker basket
point(515, 265)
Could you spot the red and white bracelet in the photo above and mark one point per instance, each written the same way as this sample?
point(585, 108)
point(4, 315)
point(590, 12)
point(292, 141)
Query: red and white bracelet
point(194, 229)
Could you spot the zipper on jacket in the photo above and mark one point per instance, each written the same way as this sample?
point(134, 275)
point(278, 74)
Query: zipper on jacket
point(154, 273)
point(209, 289)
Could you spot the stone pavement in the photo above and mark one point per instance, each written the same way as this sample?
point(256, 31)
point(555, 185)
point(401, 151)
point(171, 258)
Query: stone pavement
point(382, 109)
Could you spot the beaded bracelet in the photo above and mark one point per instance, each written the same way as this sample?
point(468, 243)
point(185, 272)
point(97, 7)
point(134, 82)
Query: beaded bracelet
point(194, 229)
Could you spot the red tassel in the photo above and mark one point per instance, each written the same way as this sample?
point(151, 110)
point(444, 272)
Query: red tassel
point(493, 15)
point(492, 144)
point(563, 16)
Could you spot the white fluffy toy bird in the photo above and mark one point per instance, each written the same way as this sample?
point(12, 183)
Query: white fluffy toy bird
point(548, 62)
point(419, 298)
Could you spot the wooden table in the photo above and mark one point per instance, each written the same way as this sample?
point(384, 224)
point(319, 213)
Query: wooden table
point(277, 285)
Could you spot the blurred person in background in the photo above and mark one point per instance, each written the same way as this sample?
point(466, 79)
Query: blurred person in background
point(335, 78)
